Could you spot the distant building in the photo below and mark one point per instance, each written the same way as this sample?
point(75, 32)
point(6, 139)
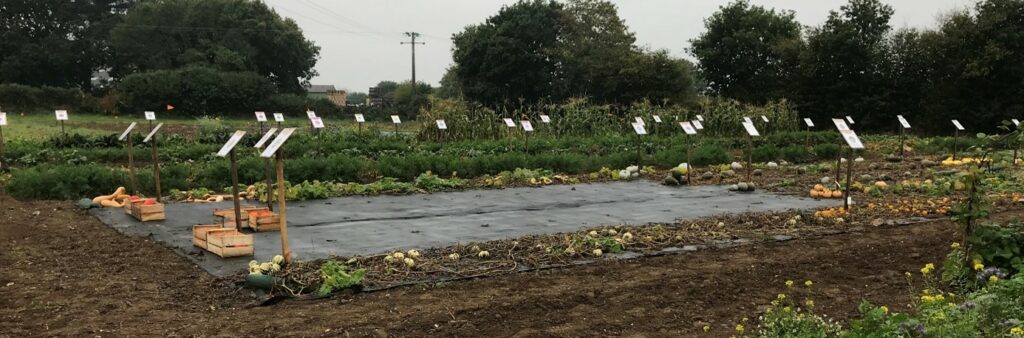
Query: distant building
point(338, 97)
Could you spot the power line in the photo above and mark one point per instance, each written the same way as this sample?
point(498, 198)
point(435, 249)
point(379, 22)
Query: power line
point(412, 43)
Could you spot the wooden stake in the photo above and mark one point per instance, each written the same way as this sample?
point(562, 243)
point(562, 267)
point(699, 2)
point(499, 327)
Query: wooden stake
point(956, 138)
point(849, 173)
point(131, 166)
point(902, 140)
point(286, 251)
point(638, 156)
point(234, 190)
point(1, 141)
point(156, 168)
point(750, 156)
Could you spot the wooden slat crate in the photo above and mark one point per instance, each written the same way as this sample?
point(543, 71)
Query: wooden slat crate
point(145, 213)
point(229, 243)
point(128, 206)
point(227, 216)
point(263, 220)
point(199, 233)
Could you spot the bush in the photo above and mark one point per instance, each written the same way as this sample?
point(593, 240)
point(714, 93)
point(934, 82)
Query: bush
point(826, 151)
point(795, 154)
point(765, 153)
point(21, 98)
point(65, 181)
point(195, 91)
point(710, 154)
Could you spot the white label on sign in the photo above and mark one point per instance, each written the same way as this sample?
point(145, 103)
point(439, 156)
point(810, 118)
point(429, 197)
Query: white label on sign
point(639, 128)
point(958, 125)
point(700, 118)
point(266, 137)
point(657, 119)
point(150, 116)
point(851, 139)
point(232, 142)
point(1016, 122)
point(441, 125)
point(688, 128)
point(840, 124)
point(261, 116)
point(697, 124)
point(360, 118)
point(765, 118)
point(849, 119)
point(545, 119)
point(751, 130)
point(3, 118)
point(62, 115)
point(124, 134)
point(396, 119)
point(808, 122)
point(639, 120)
point(747, 119)
point(278, 117)
point(903, 122)
point(310, 114)
point(276, 144)
point(317, 122)
point(509, 123)
point(153, 132)
point(527, 126)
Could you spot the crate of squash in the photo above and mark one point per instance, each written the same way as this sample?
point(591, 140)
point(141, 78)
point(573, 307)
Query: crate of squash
point(264, 220)
point(227, 216)
point(147, 209)
point(221, 241)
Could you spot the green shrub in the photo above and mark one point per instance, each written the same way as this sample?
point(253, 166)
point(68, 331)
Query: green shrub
point(826, 151)
point(65, 181)
point(710, 154)
point(765, 153)
point(795, 154)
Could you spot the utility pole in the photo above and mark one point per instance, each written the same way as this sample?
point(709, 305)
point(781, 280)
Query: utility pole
point(413, 43)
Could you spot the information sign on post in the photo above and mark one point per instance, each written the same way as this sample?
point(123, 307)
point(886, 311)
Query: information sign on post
point(150, 115)
point(957, 124)
point(688, 128)
point(273, 151)
point(808, 122)
point(700, 118)
point(278, 117)
point(545, 119)
point(360, 118)
point(527, 126)
point(903, 122)
point(317, 123)
point(396, 119)
point(840, 124)
point(62, 115)
point(125, 133)
point(657, 119)
point(697, 124)
point(849, 119)
point(267, 170)
point(231, 143)
point(751, 129)
point(441, 125)
point(509, 123)
point(229, 148)
point(261, 116)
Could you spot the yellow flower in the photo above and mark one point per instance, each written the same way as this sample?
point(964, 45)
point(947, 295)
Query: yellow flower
point(927, 298)
point(993, 278)
point(808, 283)
point(907, 273)
point(707, 328)
point(789, 284)
point(786, 309)
point(939, 298)
point(768, 309)
point(955, 245)
point(928, 268)
point(739, 327)
point(745, 319)
point(978, 266)
point(775, 303)
point(782, 296)
point(884, 309)
point(809, 303)
point(1017, 331)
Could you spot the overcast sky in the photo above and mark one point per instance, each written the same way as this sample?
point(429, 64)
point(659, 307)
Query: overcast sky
point(359, 40)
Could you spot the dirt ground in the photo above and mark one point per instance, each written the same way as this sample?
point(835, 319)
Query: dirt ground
point(63, 273)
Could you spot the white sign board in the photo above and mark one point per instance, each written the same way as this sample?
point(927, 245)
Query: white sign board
point(545, 119)
point(808, 122)
point(688, 128)
point(261, 116)
point(697, 124)
point(232, 142)
point(441, 125)
point(747, 119)
point(509, 123)
point(124, 134)
point(751, 130)
point(527, 126)
point(153, 132)
point(317, 122)
point(395, 119)
point(639, 128)
point(840, 124)
point(639, 120)
point(851, 139)
point(278, 117)
point(958, 125)
point(310, 114)
point(150, 116)
point(700, 118)
point(903, 122)
point(765, 118)
point(276, 144)
point(360, 118)
point(657, 119)
point(849, 119)
point(3, 118)
point(1016, 122)
point(266, 137)
point(62, 115)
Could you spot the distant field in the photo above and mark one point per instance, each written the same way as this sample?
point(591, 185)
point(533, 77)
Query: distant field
point(42, 126)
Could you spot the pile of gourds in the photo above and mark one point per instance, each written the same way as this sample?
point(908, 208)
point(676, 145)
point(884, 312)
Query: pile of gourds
point(820, 191)
point(115, 200)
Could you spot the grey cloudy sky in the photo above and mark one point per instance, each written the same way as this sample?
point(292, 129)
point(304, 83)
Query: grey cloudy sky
point(359, 39)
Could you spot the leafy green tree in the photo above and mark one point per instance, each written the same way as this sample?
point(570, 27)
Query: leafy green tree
point(845, 62)
point(511, 55)
point(55, 42)
point(450, 87)
point(356, 98)
point(749, 53)
point(657, 77)
point(408, 99)
point(195, 90)
point(594, 48)
point(228, 35)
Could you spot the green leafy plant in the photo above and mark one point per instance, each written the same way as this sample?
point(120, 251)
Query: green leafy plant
point(337, 277)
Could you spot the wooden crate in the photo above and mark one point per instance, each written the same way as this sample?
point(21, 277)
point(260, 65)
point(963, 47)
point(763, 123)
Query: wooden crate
point(128, 206)
point(229, 243)
point(260, 220)
point(199, 233)
point(145, 213)
point(227, 216)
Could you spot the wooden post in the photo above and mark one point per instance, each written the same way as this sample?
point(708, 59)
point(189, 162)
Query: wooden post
point(1, 141)
point(286, 251)
point(156, 168)
point(807, 137)
point(131, 166)
point(639, 158)
point(956, 138)
point(839, 159)
point(902, 140)
point(849, 174)
point(234, 190)
point(62, 130)
point(689, 165)
point(750, 156)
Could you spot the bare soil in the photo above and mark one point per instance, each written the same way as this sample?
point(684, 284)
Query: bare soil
point(63, 273)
